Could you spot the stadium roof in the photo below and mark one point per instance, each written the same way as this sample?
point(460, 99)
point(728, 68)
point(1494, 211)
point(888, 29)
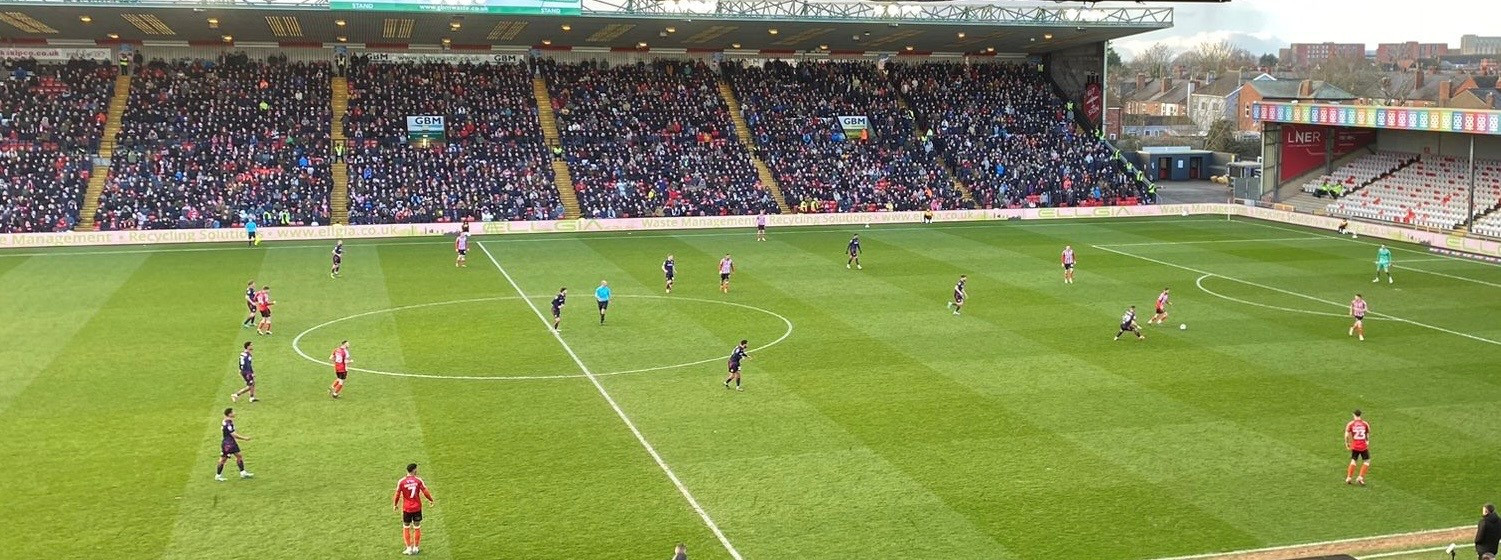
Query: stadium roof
point(768, 25)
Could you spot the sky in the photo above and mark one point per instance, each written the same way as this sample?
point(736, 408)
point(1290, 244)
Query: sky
point(1263, 26)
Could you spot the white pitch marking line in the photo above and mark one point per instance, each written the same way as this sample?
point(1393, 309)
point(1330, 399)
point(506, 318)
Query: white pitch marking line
point(1464, 278)
point(1258, 223)
point(650, 450)
point(297, 340)
point(1304, 238)
point(1312, 544)
point(1200, 284)
point(1404, 552)
point(540, 237)
point(1301, 295)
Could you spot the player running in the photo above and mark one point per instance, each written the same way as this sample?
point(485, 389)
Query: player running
point(1128, 324)
point(1357, 440)
point(1358, 310)
point(461, 246)
point(263, 303)
point(669, 270)
point(726, 268)
point(854, 251)
point(340, 358)
point(602, 295)
point(1383, 264)
point(1068, 264)
point(230, 445)
point(1160, 316)
point(761, 226)
point(959, 294)
point(409, 493)
point(736, 355)
point(249, 304)
point(558, 302)
point(247, 372)
point(338, 259)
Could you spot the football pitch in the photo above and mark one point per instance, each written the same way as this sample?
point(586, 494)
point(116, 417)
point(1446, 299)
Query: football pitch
point(873, 424)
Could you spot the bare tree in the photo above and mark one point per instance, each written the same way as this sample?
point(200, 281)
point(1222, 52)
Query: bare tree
point(1153, 61)
point(1218, 56)
point(1357, 76)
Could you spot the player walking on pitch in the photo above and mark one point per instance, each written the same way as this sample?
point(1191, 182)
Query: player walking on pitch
point(340, 358)
point(1160, 316)
point(338, 259)
point(726, 268)
point(230, 445)
point(1128, 324)
point(409, 493)
point(1068, 264)
point(1358, 310)
point(1383, 264)
point(761, 226)
point(1357, 440)
point(461, 246)
point(247, 372)
point(736, 355)
point(250, 300)
point(854, 251)
point(602, 295)
point(669, 270)
point(263, 303)
point(959, 295)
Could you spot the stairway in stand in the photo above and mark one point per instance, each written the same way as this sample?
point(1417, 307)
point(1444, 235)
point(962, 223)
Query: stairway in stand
point(100, 174)
point(742, 131)
point(948, 172)
point(338, 196)
point(560, 175)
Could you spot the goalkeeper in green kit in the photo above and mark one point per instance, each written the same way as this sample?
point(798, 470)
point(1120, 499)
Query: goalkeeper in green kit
point(1383, 264)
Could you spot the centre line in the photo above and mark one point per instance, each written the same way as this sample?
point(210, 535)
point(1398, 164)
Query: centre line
point(650, 450)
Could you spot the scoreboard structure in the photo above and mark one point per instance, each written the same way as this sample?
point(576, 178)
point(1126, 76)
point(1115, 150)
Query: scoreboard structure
point(509, 7)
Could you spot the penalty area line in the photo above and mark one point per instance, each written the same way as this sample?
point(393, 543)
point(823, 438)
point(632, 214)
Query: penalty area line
point(640, 438)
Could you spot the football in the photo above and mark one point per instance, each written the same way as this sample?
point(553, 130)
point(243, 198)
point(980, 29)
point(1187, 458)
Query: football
point(1183, 326)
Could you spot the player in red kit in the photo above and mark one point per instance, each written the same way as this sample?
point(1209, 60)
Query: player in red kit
point(1160, 316)
point(340, 358)
point(263, 303)
point(1068, 264)
point(409, 493)
point(1358, 440)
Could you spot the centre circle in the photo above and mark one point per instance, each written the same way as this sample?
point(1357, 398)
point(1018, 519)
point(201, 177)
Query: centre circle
point(297, 341)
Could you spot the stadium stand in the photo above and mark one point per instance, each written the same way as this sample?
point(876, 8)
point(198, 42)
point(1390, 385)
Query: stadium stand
point(792, 110)
point(210, 143)
point(1009, 138)
point(1431, 192)
point(652, 139)
point(1361, 171)
point(493, 165)
point(51, 116)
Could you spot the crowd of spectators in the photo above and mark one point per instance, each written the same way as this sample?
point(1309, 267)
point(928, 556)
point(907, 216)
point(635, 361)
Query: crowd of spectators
point(793, 109)
point(1011, 139)
point(212, 143)
point(51, 116)
point(652, 139)
point(492, 166)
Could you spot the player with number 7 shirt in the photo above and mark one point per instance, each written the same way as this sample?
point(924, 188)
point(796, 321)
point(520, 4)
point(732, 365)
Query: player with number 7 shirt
point(409, 493)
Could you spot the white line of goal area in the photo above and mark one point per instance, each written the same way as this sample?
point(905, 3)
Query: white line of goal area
point(1297, 294)
point(543, 237)
point(1210, 241)
point(1335, 542)
point(1403, 552)
point(650, 450)
point(1259, 223)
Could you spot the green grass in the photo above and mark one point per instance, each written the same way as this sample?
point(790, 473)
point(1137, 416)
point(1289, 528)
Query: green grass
point(882, 427)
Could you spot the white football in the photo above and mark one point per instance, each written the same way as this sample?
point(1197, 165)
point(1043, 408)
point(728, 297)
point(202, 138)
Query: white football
point(1183, 326)
point(1354, 236)
point(867, 225)
point(1185, 212)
